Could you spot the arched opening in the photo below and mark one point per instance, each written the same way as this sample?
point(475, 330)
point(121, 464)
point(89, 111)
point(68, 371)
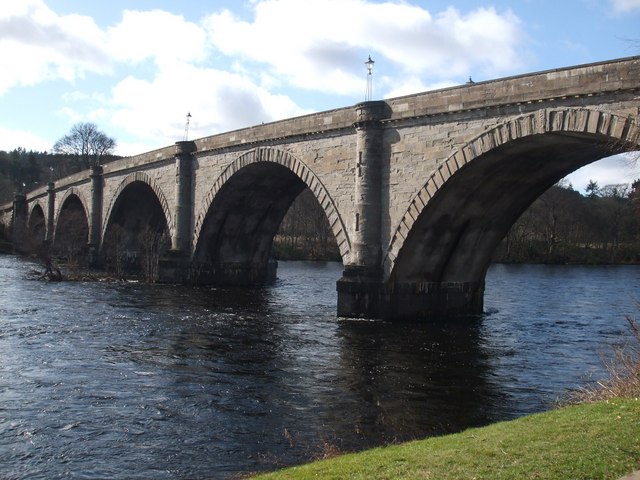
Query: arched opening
point(72, 231)
point(445, 256)
point(136, 235)
point(305, 232)
point(37, 225)
point(234, 246)
point(591, 217)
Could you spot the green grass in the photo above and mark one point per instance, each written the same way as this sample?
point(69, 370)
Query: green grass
point(589, 441)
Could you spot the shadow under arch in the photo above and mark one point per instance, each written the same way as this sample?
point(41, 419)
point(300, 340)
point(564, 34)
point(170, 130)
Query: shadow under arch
point(140, 177)
point(71, 192)
point(137, 229)
point(37, 223)
point(239, 217)
point(454, 223)
point(71, 232)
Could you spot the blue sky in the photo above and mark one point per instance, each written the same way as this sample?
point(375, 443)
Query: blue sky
point(137, 67)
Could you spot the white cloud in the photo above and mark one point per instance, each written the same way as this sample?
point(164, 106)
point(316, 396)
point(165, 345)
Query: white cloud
point(625, 6)
point(218, 100)
point(11, 139)
point(614, 170)
point(320, 44)
point(70, 114)
point(129, 149)
point(407, 86)
point(158, 35)
point(37, 45)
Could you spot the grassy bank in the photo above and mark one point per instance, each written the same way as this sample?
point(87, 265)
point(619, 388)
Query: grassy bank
point(589, 441)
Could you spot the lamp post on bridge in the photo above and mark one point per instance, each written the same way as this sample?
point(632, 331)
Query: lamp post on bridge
point(186, 127)
point(369, 92)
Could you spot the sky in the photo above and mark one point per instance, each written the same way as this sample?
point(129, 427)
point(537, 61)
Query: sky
point(136, 68)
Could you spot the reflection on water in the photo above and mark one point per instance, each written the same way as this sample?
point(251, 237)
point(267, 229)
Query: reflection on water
point(138, 381)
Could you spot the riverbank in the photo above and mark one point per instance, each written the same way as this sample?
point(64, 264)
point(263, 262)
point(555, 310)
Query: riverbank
point(599, 440)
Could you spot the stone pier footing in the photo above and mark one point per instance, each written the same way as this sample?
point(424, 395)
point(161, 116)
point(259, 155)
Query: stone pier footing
point(359, 292)
point(94, 259)
point(364, 296)
point(175, 268)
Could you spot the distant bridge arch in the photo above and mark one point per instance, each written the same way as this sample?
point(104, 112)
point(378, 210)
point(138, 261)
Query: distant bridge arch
point(127, 182)
point(75, 195)
point(297, 167)
point(71, 228)
point(37, 222)
point(243, 210)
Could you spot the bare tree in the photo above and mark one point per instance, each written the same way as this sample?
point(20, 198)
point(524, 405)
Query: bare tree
point(86, 143)
point(154, 245)
point(115, 250)
point(71, 237)
point(305, 232)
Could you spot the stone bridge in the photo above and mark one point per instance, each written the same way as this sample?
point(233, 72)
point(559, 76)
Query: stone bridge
point(418, 190)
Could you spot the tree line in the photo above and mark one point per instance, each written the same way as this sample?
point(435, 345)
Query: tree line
point(564, 226)
point(561, 226)
point(23, 170)
point(305, 233)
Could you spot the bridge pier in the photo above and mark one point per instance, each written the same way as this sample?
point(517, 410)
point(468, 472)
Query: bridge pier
point(420, 300)
point(180, 240)
point(235, 274)
point(359, 293)
point(359, 296)
point(51, 212)
point(175, 266)
point(359, 289)
point(95, 216)
point(19, 216)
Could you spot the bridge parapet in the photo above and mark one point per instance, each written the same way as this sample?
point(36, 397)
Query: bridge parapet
point(552, 85)
point(137, 161)
point(315, 123)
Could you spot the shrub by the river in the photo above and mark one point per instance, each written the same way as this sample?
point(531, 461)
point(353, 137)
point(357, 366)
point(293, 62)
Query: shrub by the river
point(623, 372)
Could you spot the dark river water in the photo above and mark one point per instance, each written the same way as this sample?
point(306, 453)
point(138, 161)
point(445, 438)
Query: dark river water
point(104, 380)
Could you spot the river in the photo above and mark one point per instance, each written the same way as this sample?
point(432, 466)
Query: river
point(125, 380)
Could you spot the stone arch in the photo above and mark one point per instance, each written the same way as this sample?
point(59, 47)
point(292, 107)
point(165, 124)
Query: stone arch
point(33, 206)
point(73, 191)
point(618, 132)
point(37, 221)
point(128, 180)
point(302, 171)
point(71, 227)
